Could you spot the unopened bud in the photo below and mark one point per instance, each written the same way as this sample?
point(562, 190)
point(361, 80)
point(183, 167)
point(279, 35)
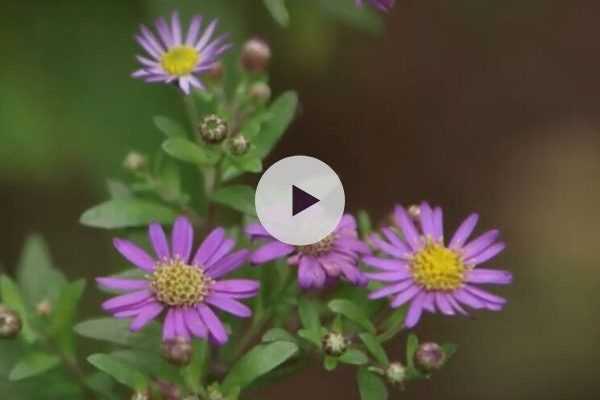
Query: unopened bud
point(395, 373)
point(213, 129)
point(430, 357)
point(178, 351)
point(168, 390)
point(215, 72)
point(141, 395)
point(239, 145)
point(214, 392)
point(260, 92)
point(134, 161)
point(256, 55)
point(43, 308)
point(335, 344)
point(10, 323)
point(414, 211)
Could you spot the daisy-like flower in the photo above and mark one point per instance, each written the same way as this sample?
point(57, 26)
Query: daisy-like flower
point(172, 58)
point(433, 276)
point(187, 288)
point(382, 5)
point(335, 256)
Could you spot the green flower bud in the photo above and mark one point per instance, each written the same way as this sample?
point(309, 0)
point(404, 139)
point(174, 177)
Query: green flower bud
point(134, 161)
point(178, 351)
point(43, 308)
point(414, 211)
point(10, 323)
point(141, 395)
point(239, 145)
point(335, 344)
point(395, 373)
point(214, 392)
point(430, 357)
point(213, 129)
point(260, 92)
point(256, 55)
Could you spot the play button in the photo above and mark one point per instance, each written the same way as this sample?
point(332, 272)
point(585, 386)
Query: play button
point(299, 200)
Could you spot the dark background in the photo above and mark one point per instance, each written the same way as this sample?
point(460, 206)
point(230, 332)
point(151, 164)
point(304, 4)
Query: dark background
point(476, 105)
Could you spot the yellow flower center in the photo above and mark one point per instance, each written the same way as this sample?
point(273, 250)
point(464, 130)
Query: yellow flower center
point(316, 249)
point(180, 61)
point(436, 267)
point(179, 285)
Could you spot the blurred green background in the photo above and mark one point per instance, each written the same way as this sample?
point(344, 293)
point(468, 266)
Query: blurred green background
point(480, 105)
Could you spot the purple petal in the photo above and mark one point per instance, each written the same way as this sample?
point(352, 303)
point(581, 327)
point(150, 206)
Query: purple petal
point(208, 247)
point(184, 84)
point(195, 324)
point(387, 248)
point(466, 298)
point(134, 254)
point(352, 244)
point(126, 300)
point(236, 286)
point(397, 242)
point(415, 310)
point(479, 244)
point(147, 46)
point(442, 303)
point(438, 225)
point(122, 284)
point(347, 223)
point(180, 326)
point(214, 325)
point(390, 290)
point(228, 263)
point(151, 39)
point(229, 305)
point(176, 28)
point(146, 315)
point(169, 332)
point(429, 302)
point(159, 241)
point(463, 232)
point(224, 249)
point(484, 295)
point(487, 254)
point(386, 264)
point(491, 276)
point(388, 276)
point(271, 251)
point(192, 34)
point(182, 237)
point(256, 229)
point(405, 296)
point(310, 273)
point(426, 219)
point(408, 228)
point(206, 35)
point(353, 274)
point(454, 304)
point(164, 32)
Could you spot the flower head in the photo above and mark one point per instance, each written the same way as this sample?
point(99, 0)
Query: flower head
point(335, 256)
point(173, 58)
point(432, 276)
point(382, 5)
point(187, 288)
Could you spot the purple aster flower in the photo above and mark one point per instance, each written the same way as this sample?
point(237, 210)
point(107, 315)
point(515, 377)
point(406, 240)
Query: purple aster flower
point(432, 276)
point(187, 288)
point(382, 5)
point(335, 256)
point(171, 57)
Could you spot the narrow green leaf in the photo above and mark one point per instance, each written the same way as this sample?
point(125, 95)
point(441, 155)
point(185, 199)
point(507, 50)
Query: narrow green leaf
point(364, 223)
point(237, 197)
point(120, 371)
point(392, 325)
point(169, 127)
point(117, 331)
point(412, 344)
point(375, 348)
point(282, 112)
point(188, 151)
point(193, 373)
point(117, 189)
point(12, 298)
point(63, 316)
point(450, 349)
point(353, 312)
point(126, 213)
point(278, 11)
point(258, 362)
point(313, 337)
point(371, 386)
point(36, 276)
point(330, 363)
point(278, 334)
point(32, 365)
point(354, 357)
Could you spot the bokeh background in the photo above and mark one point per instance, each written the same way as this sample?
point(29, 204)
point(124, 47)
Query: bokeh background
point(480, 105)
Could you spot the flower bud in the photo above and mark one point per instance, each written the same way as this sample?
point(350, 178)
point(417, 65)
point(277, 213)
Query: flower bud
point(213, 129)
point(256, 55)
point(414, 211)
point(395, 373)
point(215, 72)
point(134, 161)
point(43, 308)
point(260, 92)
point(178, 351)
point(10, 323)
point(430, 357)
point(214, 392)
point(239, 145)
point(334, 344)
point(141, 395)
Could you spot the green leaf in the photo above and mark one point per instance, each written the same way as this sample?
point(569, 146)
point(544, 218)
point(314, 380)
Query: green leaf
point(126, 213)
point(12, 298)
point(412, 344)
point(351, 311)
point(117, 331)
point(450, 349)
point(117, 189)
point(309, 317)
point(393, 324)
point(188, 151)
point(257, 362)
point(311, 336)
point(193, 373)
point(33, 364)
point(278, 334)
point(371, 386)
point(38, 279)
point(63, 315)
point(120, 371)
point(354, 357)
point(282, 112)
point(169, 127)
point(361, 18)
point(278, 11)
point(237, 197)
point(330, 363)
point(364, 223)
point(375, 348)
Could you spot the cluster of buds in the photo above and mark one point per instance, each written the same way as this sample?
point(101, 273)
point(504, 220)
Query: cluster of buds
point(134, 161)
point(10, 323)
point(213, 129)
point(430, 357)
point(395, 373)
point(335, 344)
point(178, 351)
